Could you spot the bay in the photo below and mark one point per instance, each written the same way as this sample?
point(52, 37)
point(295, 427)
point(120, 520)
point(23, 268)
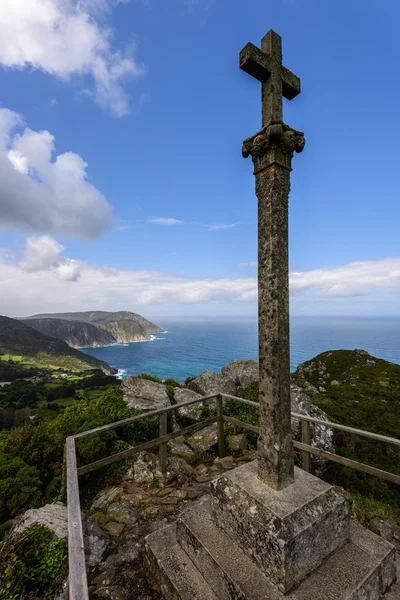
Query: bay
point(193, 345)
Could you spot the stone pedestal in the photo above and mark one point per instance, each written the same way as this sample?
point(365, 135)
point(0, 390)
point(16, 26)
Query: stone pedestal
point(287, 533)
point(250, 542)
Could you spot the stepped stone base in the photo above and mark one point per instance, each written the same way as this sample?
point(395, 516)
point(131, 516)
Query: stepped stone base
point(195, 559)
point(287, 533)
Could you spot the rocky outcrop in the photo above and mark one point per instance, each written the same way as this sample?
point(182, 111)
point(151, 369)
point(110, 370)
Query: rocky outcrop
point(239, 373)
point(144, 394)
point(53, 516)
point(205, 439)
point(321, 435)
point(207, 383)
point(94, 329)
point(192, 412)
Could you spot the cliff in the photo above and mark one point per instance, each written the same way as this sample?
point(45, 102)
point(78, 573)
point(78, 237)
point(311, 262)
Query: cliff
point(25, 345)
point(94, 328)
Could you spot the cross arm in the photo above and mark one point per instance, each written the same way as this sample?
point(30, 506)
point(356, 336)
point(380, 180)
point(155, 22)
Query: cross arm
point(255, 62)
point(290, 84)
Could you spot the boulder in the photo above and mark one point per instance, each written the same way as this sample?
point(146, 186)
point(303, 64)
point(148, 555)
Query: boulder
point(145, 470)
point(207, 383)
point(177, 468)
point(180, 449)
point(144, 394)
point(193, 411)
point(54, 516)
point(387, 529)
point(104, 497)
point(321, 435)
point(110, 592)
point(122, 513)
point(239, 373)
point(237, 443)
point(96, 541)
point(205, 439)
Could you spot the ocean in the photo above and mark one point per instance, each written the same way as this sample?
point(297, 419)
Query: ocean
point(193, 345)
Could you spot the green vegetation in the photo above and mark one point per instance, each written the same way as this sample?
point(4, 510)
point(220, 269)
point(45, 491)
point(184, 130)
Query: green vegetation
point(33, 564)
point(365, 394)
point(27, 348)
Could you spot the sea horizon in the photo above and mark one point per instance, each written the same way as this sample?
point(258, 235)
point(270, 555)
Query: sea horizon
point(193, 344)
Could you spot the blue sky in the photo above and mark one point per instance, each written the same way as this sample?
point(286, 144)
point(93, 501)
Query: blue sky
point(137, 197)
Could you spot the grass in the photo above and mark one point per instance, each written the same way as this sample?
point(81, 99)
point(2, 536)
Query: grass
point(365, 509)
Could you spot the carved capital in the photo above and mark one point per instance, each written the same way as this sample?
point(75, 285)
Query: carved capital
point(273, 147)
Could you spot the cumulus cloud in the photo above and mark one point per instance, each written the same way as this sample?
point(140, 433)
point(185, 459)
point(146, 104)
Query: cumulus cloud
point(44, 254)
point(45, 194)
point(360, 278)
point(65, 38)
point(57, 283)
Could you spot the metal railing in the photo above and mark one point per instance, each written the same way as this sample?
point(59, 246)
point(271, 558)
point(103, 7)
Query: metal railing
point(77, 588)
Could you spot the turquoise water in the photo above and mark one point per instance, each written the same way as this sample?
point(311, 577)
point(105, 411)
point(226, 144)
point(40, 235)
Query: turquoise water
point(193, 345)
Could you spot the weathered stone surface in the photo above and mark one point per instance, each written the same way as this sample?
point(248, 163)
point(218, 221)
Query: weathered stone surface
point(115, 529)
point(104, 497)
point(207, 383)
point(110, 592)
point(361, 569)
point(173, 569)
point(122, 513)
point(177, 468)
point(321, 435)
point(271, 150)
point(192, 412)
point(204, 439)
point(287, 533)
point(96, 540)
point(54, 516)
point(237, 443)
point(180, 449)
point(144, 394)
point(145, 470)
point(387, 529)
point(239, 373)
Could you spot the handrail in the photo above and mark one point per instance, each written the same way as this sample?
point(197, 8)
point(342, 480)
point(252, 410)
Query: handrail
point(77, 588)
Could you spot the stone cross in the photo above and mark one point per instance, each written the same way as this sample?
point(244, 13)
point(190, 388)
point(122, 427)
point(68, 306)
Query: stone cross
point(272, 151)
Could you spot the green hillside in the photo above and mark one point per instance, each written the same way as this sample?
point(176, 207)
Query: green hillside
point(27, 347)
point(362, 391)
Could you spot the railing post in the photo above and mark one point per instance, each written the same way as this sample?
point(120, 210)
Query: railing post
point(306, 439)
point(163, 430)
point(221, 428)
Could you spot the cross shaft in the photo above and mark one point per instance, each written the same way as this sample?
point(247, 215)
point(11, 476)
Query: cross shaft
point(272, 150)
point(277, 81)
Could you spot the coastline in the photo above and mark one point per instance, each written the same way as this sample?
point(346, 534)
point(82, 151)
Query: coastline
point(153, 336)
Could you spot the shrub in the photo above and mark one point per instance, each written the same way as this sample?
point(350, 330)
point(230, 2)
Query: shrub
point(33, 564)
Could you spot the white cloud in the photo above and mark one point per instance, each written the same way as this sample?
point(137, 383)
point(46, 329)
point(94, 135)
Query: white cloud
point(172, 221)
point(40, 194)
point(64, 38)
point(57, 283)
point(221, 226)
point(165, 221)
point(44, 254)
point(360, 278)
